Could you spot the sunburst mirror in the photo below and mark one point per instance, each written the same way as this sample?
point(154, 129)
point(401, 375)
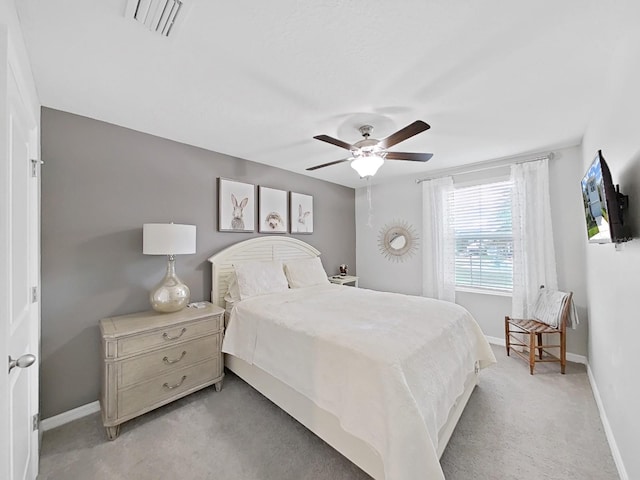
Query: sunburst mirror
point(397, 241)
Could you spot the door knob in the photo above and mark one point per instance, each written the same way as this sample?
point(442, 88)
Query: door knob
point(23, 362)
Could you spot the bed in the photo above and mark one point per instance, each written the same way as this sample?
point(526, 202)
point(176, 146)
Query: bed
point(382, 410)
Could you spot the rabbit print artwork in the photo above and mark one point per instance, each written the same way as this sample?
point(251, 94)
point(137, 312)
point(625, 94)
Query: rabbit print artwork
point(236, 206)
point(301, 210)
point(237, 222)
point(302, 219)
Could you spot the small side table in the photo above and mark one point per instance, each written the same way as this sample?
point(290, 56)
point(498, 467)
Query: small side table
point(344, 280)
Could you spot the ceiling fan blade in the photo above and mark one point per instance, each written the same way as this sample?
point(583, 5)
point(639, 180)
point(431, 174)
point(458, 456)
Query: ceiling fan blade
point(334, 141)
point(327, 164)
point(414, 157)
point(402, 134)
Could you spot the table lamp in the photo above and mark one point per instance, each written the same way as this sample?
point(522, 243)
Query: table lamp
point(170, 295)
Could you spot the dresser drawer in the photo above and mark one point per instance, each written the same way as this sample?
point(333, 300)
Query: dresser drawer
point(142, 367)
point(148, 394)
point(168, 336)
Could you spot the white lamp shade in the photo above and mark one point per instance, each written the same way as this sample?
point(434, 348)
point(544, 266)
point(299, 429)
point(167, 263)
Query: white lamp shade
point(168, 239)
point(367, 165)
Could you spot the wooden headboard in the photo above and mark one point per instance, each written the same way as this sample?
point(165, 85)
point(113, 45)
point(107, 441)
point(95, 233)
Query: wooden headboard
point(252, 250)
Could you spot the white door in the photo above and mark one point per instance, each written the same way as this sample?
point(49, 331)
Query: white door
point(19, 273)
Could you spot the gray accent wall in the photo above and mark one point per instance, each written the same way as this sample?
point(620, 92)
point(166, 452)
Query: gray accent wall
point(100, 183)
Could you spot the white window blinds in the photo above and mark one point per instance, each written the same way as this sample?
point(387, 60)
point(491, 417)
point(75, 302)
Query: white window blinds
point(481, 219)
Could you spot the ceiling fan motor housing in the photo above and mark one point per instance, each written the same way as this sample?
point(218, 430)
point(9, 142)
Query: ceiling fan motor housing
point(369, 146)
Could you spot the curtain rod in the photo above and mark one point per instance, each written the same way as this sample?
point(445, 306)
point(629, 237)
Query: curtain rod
point(481, 166)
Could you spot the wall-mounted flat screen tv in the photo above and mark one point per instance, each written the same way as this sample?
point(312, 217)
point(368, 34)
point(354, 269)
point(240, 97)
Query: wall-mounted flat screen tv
point(603, 204)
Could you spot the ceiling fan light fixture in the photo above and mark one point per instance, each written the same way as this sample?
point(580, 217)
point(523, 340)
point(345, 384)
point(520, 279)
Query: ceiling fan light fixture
point(367, 165)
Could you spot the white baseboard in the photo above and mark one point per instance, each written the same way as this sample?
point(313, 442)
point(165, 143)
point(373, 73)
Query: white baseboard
point(495, 340)
point(572, 357)
point(615, 452)
point(69, 416)
point(575, 358)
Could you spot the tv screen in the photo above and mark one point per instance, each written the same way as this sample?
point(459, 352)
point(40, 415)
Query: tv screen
point(603, 204)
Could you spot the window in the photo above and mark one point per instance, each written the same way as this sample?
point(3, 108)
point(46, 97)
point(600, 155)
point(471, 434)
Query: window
point(480, 216)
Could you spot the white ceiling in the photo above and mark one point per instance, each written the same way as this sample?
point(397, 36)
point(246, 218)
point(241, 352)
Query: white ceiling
point(258, 79)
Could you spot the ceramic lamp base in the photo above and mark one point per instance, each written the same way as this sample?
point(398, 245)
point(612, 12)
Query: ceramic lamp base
point(170, 295)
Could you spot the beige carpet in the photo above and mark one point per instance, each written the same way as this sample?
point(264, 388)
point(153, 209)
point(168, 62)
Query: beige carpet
point(237, 434)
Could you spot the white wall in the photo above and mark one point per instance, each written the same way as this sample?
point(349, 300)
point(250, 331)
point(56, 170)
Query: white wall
point(401, 200)
point(614, 276)
point(570, 234)
point(394, 201)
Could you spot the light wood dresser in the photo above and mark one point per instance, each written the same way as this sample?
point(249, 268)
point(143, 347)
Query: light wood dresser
point(151, 359)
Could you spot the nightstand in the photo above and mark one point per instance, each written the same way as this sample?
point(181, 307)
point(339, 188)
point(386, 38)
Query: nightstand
point(151, 359)
point(344, 280)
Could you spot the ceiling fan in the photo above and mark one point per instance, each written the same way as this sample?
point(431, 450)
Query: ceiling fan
point(368, 155)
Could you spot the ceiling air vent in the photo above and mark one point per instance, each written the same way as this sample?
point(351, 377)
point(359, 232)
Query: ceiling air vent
point(159, 16)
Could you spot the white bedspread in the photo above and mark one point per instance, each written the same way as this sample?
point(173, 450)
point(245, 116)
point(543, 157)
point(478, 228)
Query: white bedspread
point(389, 366)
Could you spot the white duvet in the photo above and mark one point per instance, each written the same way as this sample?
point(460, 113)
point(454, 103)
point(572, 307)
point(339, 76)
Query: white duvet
point(389, 366)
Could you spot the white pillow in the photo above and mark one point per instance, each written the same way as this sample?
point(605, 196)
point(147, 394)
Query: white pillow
point(305, 273)
point(548, 307)
point(260, 278)
point(233, 294)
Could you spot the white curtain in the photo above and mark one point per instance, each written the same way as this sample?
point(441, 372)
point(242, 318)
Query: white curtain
point(438, 269)
point(534, 260)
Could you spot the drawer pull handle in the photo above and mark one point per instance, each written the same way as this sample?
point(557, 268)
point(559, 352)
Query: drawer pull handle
point(171, 387)
point(166, 336)
point(169, 362)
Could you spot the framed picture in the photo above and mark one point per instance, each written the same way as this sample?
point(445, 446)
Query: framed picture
point(236, 206)
point(272, 212)
point(301, 211)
